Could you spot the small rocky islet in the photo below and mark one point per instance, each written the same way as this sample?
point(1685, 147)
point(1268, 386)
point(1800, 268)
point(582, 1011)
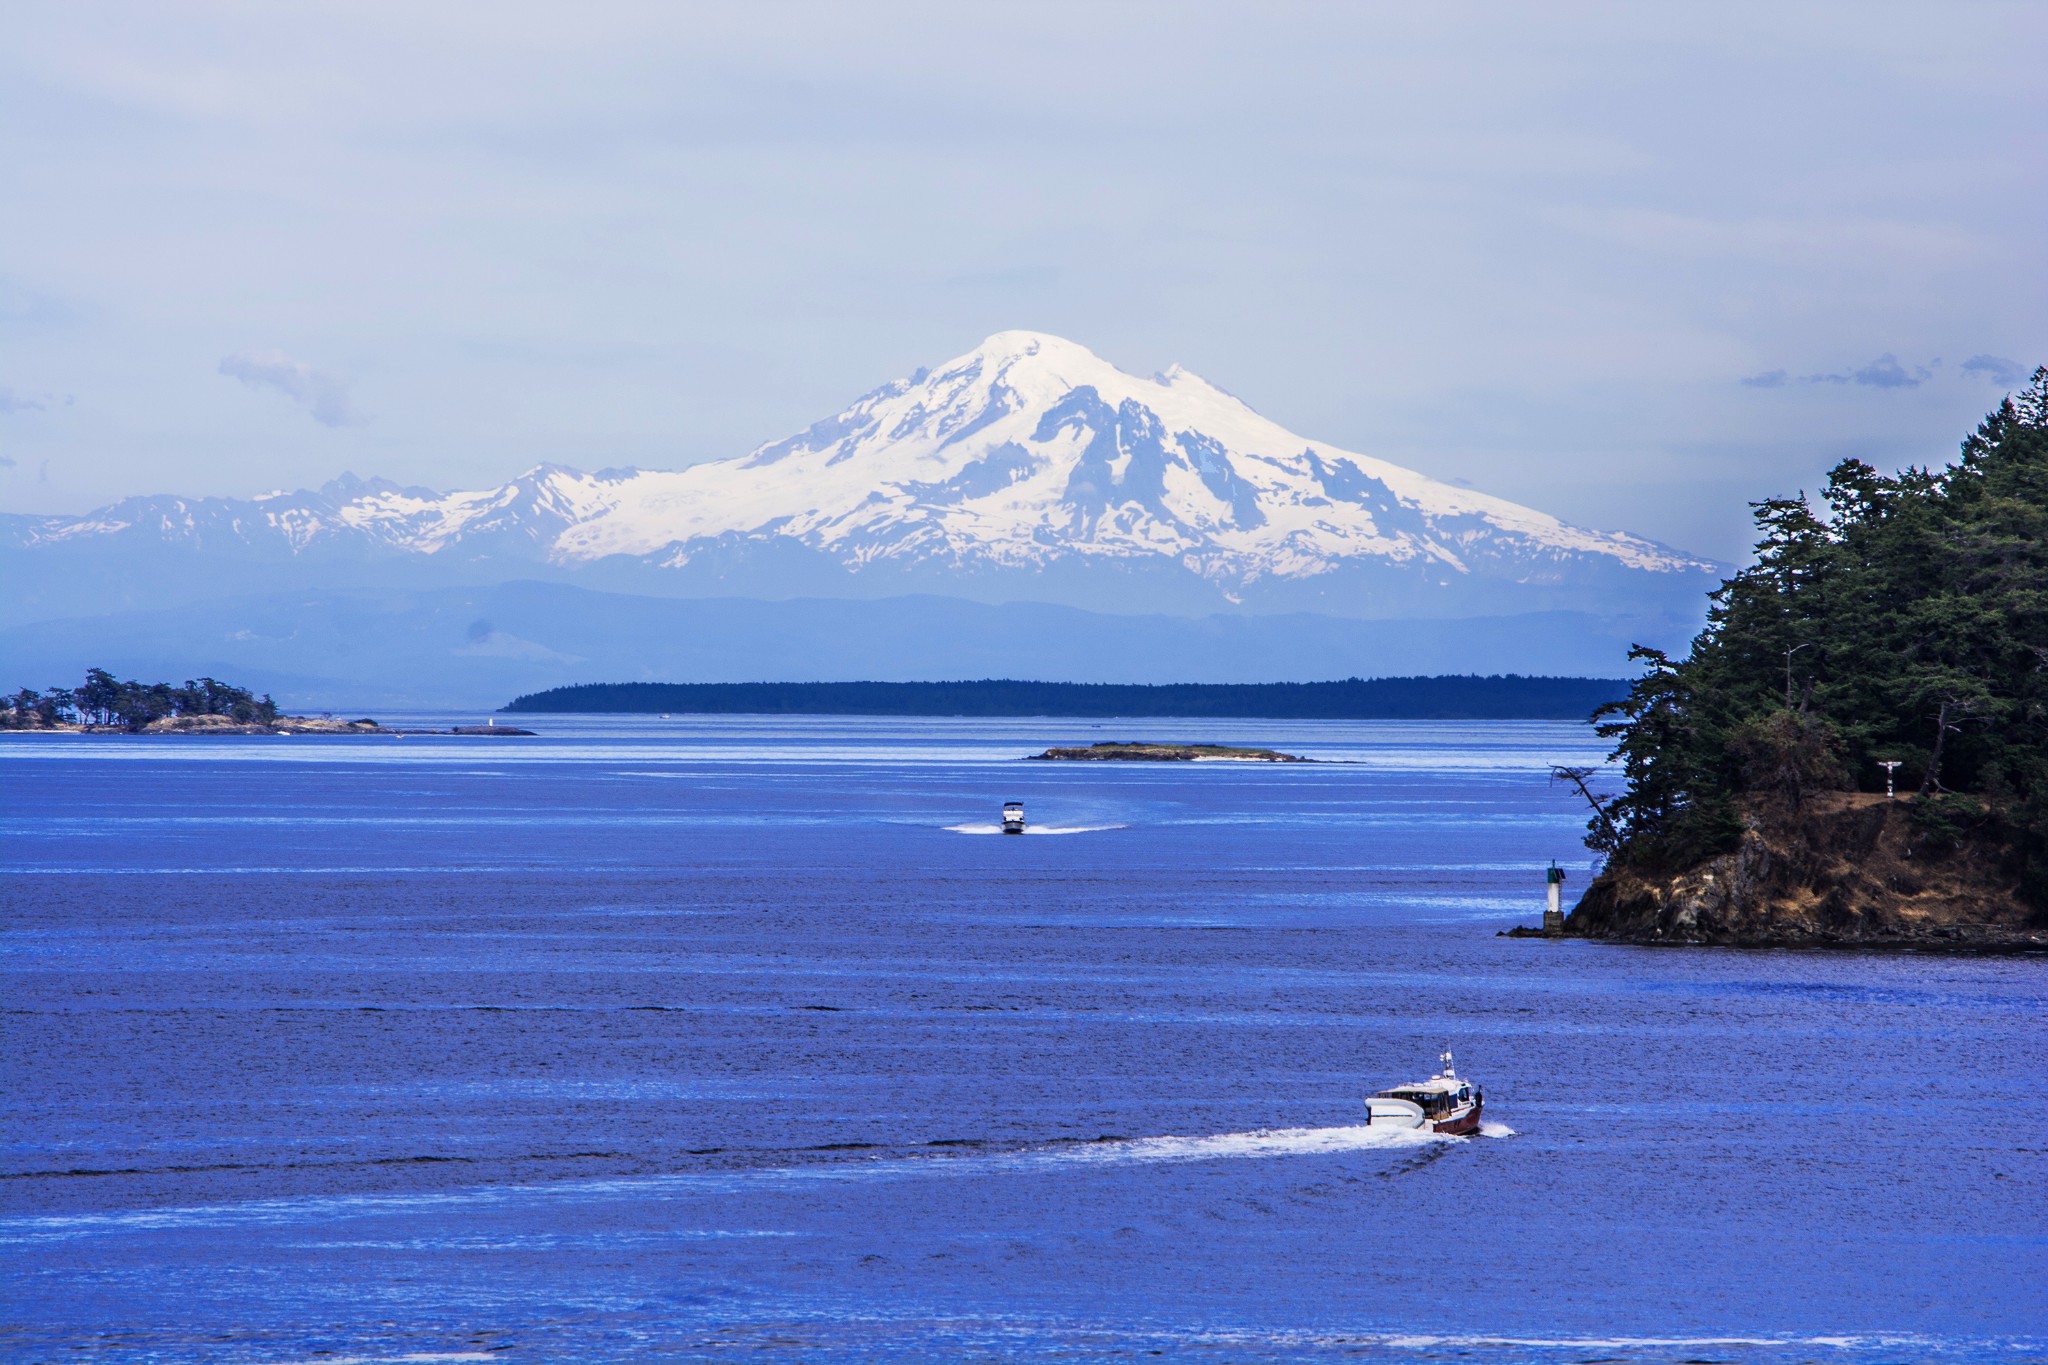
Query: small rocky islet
point(1146, 751)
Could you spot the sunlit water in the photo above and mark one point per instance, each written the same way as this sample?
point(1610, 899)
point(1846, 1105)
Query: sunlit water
point(675, 1039)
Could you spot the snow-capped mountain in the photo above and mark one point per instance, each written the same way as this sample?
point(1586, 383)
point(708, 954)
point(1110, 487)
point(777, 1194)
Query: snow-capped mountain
point(347, 515)
point(1028, 468)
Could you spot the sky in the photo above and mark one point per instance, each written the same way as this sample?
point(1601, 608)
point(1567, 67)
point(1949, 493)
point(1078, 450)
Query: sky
point(1634, 265)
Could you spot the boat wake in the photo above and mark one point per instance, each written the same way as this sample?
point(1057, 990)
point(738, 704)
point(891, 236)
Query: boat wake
point(1488, 1128)
point(1068, 1155)
point(412, 1358)
point(1033, 829)
point(1263, 1142)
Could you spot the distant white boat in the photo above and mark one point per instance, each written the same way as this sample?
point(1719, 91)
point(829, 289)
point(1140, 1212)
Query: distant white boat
point(1013, 817)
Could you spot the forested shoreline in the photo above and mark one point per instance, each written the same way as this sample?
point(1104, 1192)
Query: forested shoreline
point(1508, 697)
point(1902, 621)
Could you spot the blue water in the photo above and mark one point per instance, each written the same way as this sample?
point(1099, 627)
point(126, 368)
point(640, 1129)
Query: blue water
point(691, 1039)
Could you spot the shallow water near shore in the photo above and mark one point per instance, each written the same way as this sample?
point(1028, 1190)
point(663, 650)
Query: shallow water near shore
point(680, 1038)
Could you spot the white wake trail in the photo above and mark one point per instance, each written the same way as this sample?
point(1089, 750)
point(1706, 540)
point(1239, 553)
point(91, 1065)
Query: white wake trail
point(313, 1210)
point(1262, 1142)
point(1033, 829)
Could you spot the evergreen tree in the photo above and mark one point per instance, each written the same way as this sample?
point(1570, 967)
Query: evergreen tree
point(98, 698)
point(1907, 621)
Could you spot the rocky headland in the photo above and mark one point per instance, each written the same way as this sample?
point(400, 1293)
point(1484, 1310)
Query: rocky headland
point(1891, 636)
point(1845, 870)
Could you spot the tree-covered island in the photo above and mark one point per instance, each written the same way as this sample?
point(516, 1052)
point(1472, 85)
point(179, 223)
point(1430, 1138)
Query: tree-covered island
point(1897, 635)
point(203, 706)
point(103, 701)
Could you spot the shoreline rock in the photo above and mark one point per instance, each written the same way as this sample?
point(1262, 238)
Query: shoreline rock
point(226, 725)
point(205, 726)
point(1847, 871)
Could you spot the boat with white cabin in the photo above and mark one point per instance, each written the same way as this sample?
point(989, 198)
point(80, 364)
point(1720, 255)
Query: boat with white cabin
point(1445, 1103)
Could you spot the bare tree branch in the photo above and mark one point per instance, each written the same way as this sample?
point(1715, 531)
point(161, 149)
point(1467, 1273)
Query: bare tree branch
point(1579, 777)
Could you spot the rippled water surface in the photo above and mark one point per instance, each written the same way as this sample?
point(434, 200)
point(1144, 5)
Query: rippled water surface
point(680, 1039)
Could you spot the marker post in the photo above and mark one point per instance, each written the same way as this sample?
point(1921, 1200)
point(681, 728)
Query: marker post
point(1553, 910)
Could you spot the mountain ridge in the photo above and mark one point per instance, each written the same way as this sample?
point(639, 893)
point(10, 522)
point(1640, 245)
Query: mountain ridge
point(1025, 469)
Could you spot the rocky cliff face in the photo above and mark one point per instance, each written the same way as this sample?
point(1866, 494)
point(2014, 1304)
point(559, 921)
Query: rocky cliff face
point(1847, 870)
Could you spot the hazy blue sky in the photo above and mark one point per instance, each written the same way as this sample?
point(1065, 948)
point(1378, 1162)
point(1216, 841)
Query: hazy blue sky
point(1628, 263)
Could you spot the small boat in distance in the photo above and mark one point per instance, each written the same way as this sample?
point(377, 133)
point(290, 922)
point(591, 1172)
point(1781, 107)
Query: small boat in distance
point(1013, 817)
point(1445, 1103)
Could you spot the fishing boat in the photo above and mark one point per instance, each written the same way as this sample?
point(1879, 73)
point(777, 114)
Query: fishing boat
point(1013, 817)
point(1445, 1103)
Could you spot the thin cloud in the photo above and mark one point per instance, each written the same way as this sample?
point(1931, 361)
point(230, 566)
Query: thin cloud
point(322, 395)
point(1885, 372)
point(1995, 368)
point(10, 401)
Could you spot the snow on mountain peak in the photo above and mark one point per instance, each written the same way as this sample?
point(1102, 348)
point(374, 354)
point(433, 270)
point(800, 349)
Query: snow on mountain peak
point(1030, 448)
point(1027, 455)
